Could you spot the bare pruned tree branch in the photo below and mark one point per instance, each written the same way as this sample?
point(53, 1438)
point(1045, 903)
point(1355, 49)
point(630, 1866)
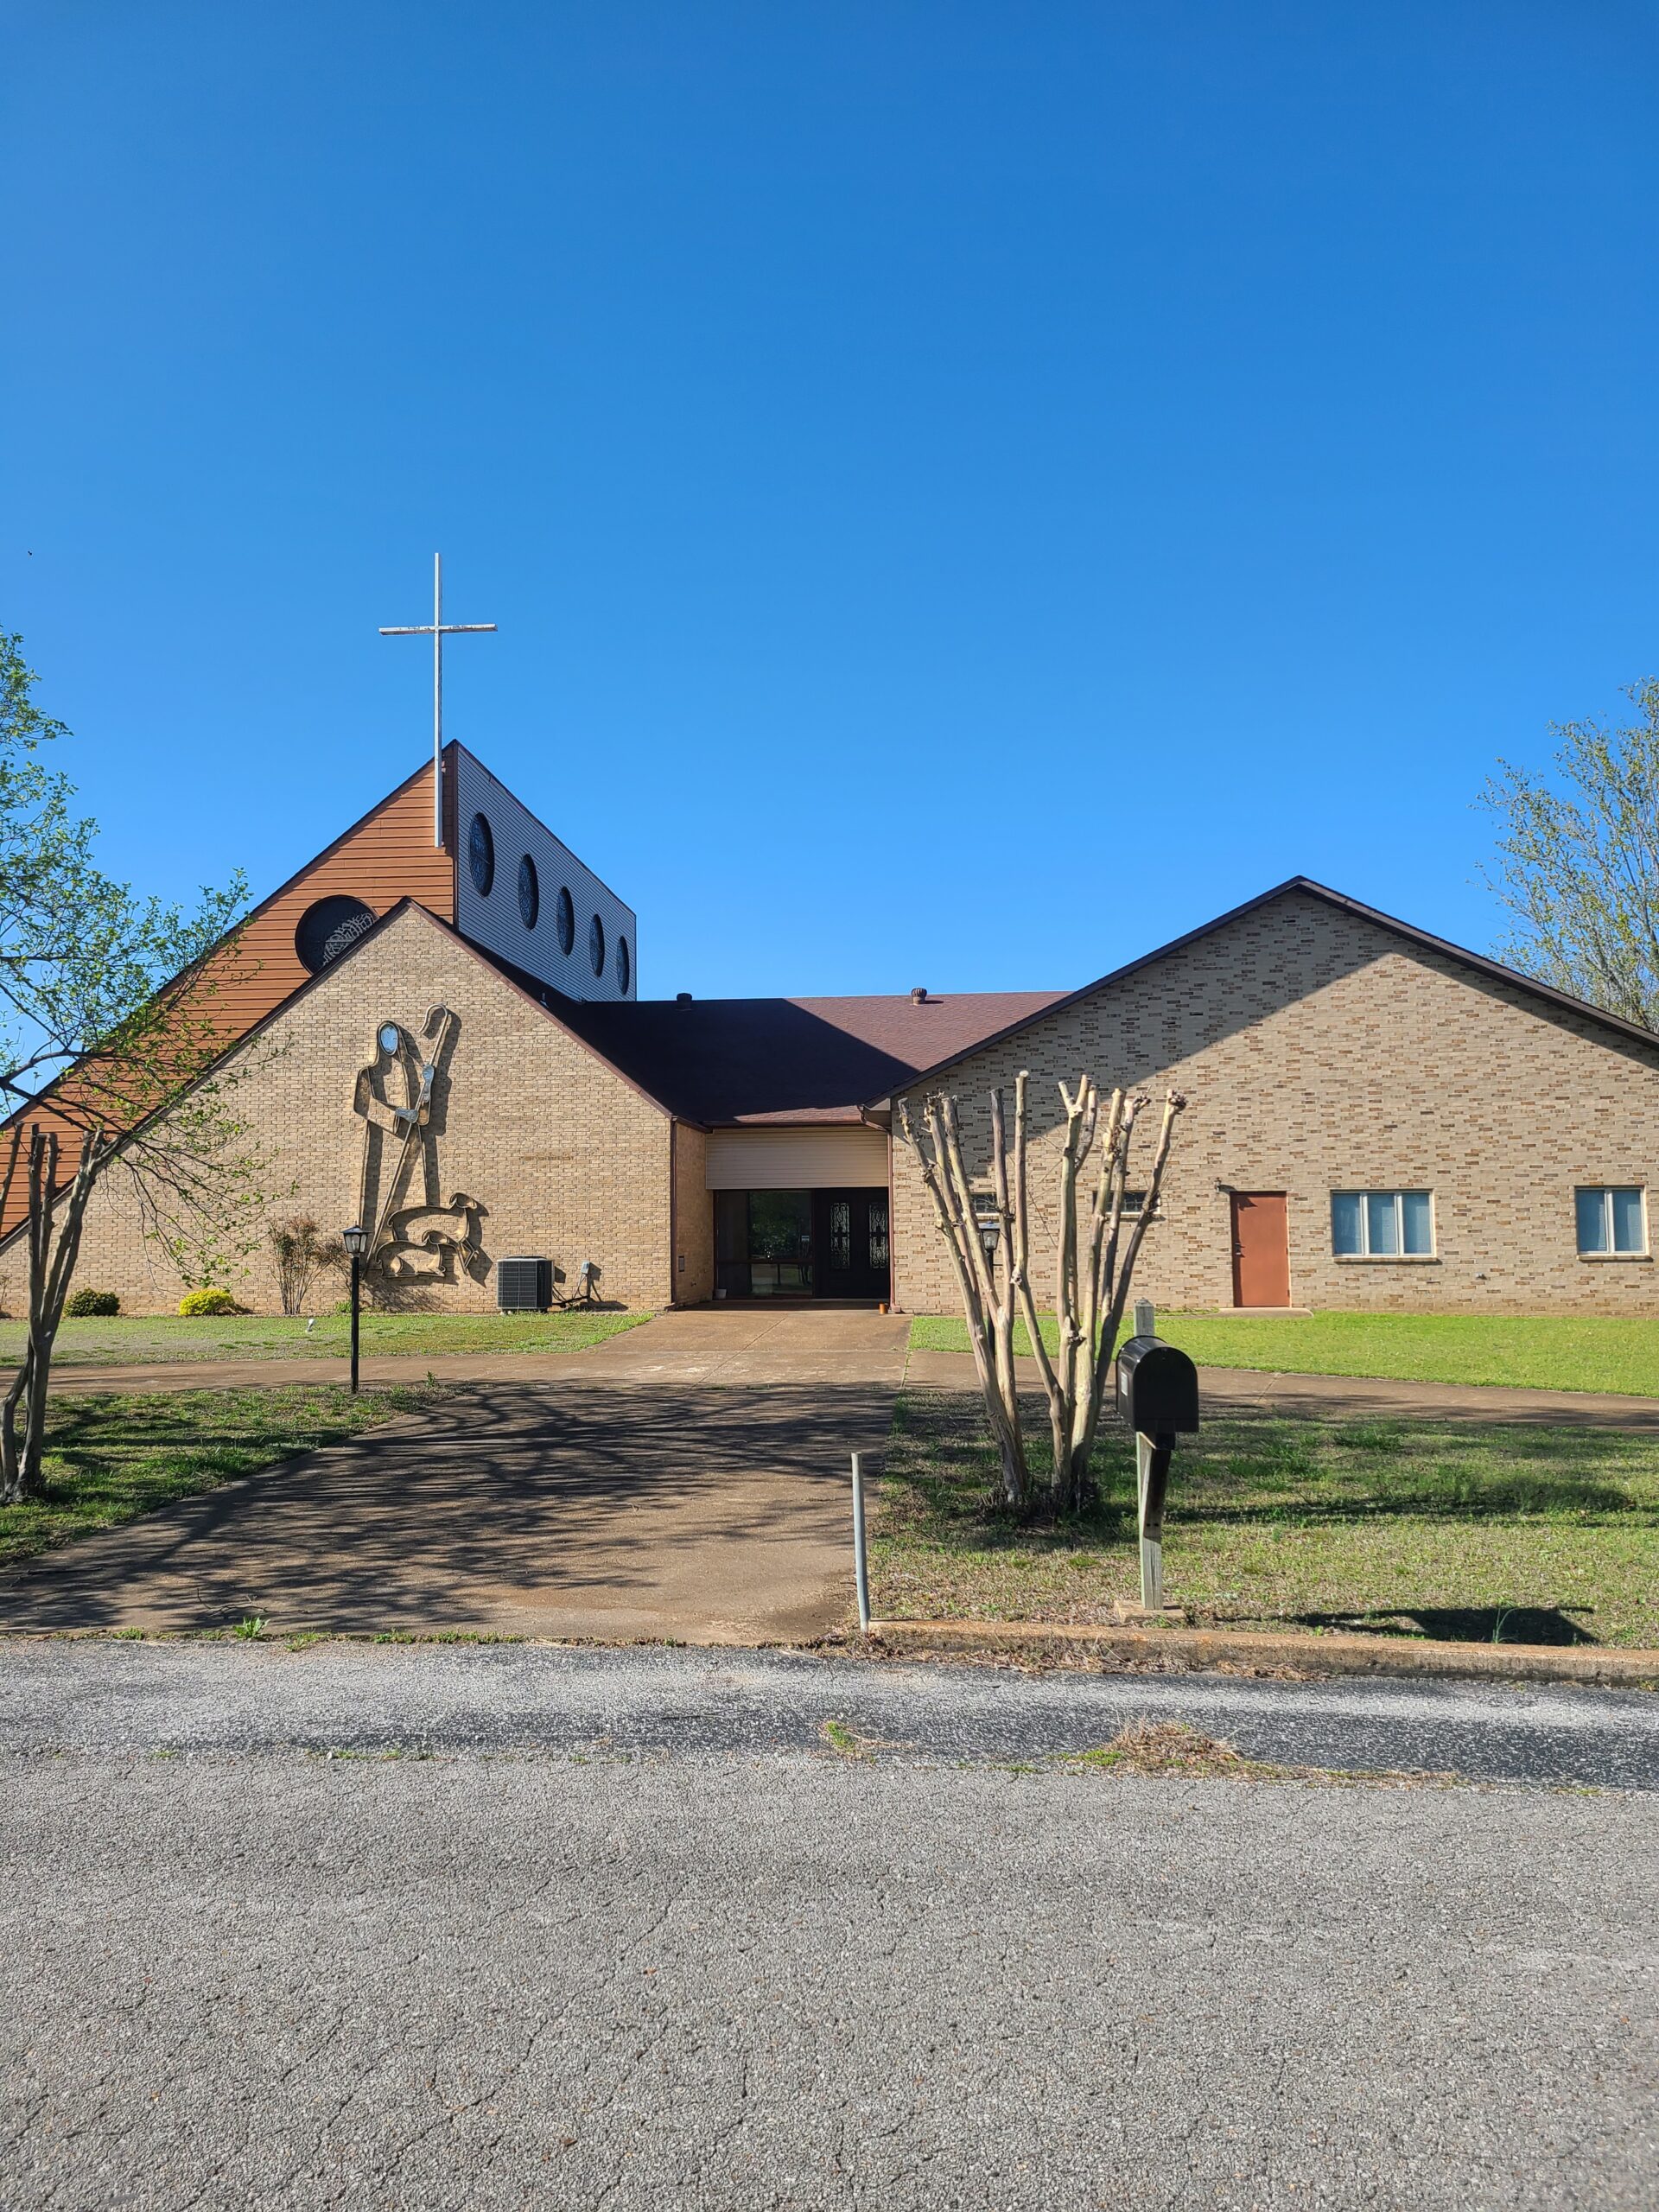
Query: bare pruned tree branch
point(1094, 1262)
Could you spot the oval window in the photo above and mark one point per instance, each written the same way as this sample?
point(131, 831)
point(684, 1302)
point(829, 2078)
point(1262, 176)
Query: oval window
point(566, 912)
point(596, 945)
point(327, 927)
point(530, 892)
point(481, 855)
point(623, 966)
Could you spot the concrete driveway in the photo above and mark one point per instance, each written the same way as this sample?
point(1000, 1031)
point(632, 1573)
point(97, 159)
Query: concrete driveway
point(705, 1514)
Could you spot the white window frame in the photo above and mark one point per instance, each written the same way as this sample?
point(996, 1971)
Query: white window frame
point(1605, 1191)
point(988, 1223)
point(1399, 1253)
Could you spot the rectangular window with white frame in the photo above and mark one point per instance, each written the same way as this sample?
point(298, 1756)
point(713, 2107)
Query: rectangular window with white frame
point(1382, 1224)
point(1612, 1220)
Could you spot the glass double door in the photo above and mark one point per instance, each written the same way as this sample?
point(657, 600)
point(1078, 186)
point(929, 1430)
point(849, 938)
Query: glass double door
point(802, 1245)
point(852, 1236)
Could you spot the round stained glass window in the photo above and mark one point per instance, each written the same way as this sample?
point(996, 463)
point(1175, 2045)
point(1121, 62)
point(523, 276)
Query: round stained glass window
point(596, 945)
point(481, 855)
point(623, 966)
point(530, 892)
point(327, 928)
point(565, 913)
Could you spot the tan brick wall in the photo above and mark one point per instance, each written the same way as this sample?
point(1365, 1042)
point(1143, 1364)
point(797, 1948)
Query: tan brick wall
point(694, 1218)
point(568, 1159)
point(1320, 1053)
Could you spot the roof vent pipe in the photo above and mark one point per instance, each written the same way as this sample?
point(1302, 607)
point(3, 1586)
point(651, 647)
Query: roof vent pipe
point(919, 996)
point(681, 998)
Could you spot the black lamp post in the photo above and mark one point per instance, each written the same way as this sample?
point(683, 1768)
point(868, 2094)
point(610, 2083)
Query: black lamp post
point(356, 1241)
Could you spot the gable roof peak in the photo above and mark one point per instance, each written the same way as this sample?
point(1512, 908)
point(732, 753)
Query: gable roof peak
point(1308, 887)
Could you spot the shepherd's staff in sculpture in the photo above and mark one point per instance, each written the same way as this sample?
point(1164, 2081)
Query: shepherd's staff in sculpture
point(406, 1123)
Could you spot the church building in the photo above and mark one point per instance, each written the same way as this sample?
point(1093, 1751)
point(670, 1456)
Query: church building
point(436, 1030)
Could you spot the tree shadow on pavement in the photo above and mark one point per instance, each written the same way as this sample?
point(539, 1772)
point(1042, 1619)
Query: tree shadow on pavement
point(501, 1502)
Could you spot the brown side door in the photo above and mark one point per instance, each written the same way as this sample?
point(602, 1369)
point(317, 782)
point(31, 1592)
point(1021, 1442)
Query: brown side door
point(1261, 1248)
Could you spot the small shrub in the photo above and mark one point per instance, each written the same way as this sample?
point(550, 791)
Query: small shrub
point(197, 1303)
point(302, 1254)
point(91, 1305)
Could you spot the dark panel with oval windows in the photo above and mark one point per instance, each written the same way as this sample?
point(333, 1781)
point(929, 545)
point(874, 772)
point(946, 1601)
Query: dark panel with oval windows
point(481, 855)
point(529, 892)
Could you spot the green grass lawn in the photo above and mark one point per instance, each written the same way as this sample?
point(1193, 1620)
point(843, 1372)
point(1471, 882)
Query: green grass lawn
point(141, 1341)
point(1578, 1351)
point(1521, 1535)
point(110, 1459)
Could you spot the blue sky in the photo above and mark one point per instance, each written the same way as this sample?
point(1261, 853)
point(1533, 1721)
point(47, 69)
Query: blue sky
point(968, 492)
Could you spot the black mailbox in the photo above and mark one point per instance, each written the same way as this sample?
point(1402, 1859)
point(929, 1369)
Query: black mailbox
point(1157, 1388)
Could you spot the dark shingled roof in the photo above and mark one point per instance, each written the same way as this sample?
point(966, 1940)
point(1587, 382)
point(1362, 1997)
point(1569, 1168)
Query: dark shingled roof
point(743, 1061)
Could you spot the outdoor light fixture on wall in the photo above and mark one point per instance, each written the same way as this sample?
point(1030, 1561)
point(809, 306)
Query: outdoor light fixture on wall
point(356, 1241)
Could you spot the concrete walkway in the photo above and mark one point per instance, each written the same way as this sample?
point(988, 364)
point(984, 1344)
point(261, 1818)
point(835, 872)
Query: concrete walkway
point(708, 1344)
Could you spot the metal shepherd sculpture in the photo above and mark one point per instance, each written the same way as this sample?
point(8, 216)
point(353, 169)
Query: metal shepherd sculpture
point(394, 1096)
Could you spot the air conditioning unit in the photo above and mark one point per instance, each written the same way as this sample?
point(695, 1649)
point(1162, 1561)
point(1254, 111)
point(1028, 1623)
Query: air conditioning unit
point(524, 1285)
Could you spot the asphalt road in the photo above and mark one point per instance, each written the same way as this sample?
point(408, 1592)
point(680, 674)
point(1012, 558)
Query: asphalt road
point(95, 1695)
point(622, 1929)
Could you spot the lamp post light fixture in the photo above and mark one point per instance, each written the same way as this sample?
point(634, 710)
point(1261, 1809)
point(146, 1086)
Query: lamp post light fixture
point(356, 1241)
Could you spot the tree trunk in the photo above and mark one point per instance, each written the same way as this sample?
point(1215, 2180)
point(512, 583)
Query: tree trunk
point(53, 1237)
point(989, 1316)
point(1094, 1269)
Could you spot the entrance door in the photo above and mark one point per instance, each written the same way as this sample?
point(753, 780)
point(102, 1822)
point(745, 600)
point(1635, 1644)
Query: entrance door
point(1261, 1248)
point(852, 1239)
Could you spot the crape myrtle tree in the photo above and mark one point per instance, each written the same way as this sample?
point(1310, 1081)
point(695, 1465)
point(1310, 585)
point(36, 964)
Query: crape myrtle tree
point(106, 1041)
point(1578, 861)
point(1097, 1241)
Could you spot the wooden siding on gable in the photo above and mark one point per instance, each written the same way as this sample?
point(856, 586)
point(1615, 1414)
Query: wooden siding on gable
point(386, 857)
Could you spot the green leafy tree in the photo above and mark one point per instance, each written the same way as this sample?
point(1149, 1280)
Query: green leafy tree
point(107, 1045)
point(1578, 863)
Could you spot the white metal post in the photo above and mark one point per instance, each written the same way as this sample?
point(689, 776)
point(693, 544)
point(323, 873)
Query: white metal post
point(860, 1560)
point(1152, 1552)
point(1152, 1549)
point(437, 698)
